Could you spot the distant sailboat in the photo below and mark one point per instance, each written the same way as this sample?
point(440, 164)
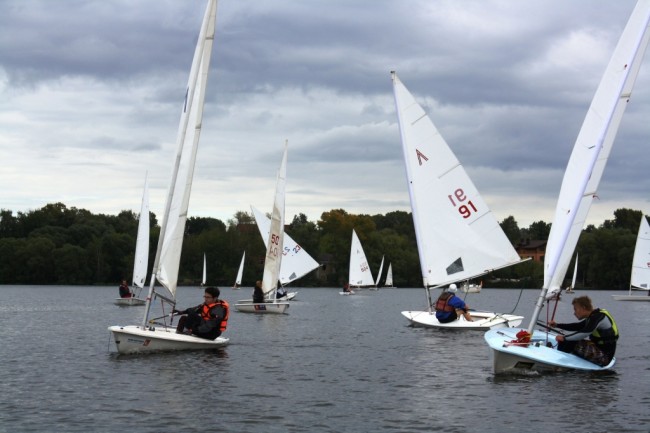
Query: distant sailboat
point(538, 351)
point(296, 261)
point(389, 277)
point(381, 268)
point(569, 289)
point(153, 336)
point(141, 261)
point(640, 278)
point(458, 237)
point(240, 272)
point(359, 274)
point(205, 272)
point(274, 250)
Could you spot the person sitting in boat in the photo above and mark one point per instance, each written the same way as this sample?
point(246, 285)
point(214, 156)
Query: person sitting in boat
point(449, 306)
point(594, 336)
point(207, 320)
point(280, 293)
point(258, 293)
point(125, 292)
point(346, 288)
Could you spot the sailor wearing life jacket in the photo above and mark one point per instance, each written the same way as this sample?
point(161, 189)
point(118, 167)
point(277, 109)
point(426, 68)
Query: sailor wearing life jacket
point(207, 320)
point(449, 306)
point(594, 336)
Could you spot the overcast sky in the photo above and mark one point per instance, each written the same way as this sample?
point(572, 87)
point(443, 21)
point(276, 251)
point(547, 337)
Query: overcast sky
point(91, 92)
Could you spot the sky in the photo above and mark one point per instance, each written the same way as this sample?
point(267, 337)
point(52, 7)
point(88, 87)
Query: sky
point(91, 93)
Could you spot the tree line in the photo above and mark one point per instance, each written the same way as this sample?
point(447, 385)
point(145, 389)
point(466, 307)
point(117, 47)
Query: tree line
point(70, 246)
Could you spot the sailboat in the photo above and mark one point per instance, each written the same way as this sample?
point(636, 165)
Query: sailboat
point(585, 168)
point(466, 287)
point(274, 253)
point(240, 272)
point(205, 271)
point(640, 278)
point(141, 260)
point(150, 335)
point(389, 277)
point(359, 274)
point(381, 268)
point(296, 261)
point(458, 237)
point(569, 289)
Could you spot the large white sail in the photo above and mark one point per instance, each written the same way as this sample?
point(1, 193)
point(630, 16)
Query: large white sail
point(458, 237)
point(142, 243)
point(359, 274)
point(275, 239)
point(593, 145)
point(296, 262)
point(641, 262)
point(189, 131)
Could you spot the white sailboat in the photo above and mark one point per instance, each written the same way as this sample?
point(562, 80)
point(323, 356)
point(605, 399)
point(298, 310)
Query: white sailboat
point(381, 268)
point(640, 278)
point(240, 272)
point(141, 260)
point(296, 261)
point(569, 289)
point(457, 235)
point(274, 253)
point(579, 186)
point(359, 274)
point(205, 271)
point(389, 277)
point(152, 336)
point(466, 287)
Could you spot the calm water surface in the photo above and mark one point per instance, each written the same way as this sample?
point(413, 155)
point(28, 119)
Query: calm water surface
point(333, 364)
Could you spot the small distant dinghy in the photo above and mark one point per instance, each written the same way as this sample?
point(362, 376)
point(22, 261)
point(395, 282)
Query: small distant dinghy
point(640, 278)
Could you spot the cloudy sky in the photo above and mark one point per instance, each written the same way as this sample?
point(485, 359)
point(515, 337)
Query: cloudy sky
point(91, 92)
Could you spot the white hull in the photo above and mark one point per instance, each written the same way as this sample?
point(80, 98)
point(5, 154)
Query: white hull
point(129, 302)
point(351, 292)
point(471, 289)
point(265, 308)
point(536, 357)
point(482, 321)
point(134, 339)
point(645, 298)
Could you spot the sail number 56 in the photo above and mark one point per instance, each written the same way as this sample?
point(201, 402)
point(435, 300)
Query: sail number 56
point(275, 242)
point(458, 199)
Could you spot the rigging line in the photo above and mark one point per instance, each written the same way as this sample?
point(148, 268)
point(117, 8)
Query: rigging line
point(521, 291)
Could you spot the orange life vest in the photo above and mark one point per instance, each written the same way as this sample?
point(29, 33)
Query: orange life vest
point(205, 313)
point(442, 304)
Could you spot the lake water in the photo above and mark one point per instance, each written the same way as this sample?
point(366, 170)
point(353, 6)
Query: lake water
point(333, 364)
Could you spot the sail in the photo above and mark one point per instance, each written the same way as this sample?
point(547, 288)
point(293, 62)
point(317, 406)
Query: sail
point(296, 262)
point(458, 237)
point(641, 262)
point(275, 239)
point(389, 276)
point(593, 146)
point(240, 272)
point(575, 273)
point(381, 268)
point(360, 275)
point(189, 131)
point(142, 243)
point(205, 271)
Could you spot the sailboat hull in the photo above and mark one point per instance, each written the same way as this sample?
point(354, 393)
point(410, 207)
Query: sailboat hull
point(541, 355)
point(265, 308)
point(645, 298)
point(134, 339)
point(129, 302)
point(482, 321)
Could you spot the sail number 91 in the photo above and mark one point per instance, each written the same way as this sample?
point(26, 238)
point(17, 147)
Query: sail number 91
point(465, 209)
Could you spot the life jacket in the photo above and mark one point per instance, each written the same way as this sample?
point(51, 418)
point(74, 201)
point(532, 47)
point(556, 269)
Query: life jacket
point(608, 336)
point(205, 313)
point(442, 304)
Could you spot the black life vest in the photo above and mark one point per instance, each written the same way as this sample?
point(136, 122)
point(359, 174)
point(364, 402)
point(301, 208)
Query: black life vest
point(608, 336)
